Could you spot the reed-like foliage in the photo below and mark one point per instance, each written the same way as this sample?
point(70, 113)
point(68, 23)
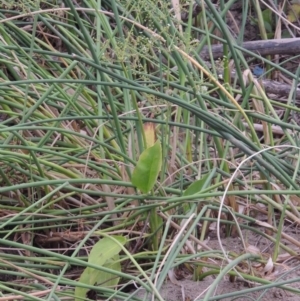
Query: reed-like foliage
point(78, 81)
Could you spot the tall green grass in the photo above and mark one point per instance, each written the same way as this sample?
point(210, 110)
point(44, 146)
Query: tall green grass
point(77, 83)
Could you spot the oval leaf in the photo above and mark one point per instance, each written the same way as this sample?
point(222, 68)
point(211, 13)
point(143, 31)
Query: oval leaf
point(105, 249)
point(104, 253)
point(200, 184)
point(106, 279)
point(147, 169)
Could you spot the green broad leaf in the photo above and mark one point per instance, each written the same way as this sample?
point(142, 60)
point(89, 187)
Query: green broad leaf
point(267, 15)
point(105, 249)
point(147, 169)
point(105, 253)
point(109, 279)
point(200, 184)
point(268, 27)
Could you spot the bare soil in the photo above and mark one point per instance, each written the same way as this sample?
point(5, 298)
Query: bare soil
point(188, 290)
point(194, 291)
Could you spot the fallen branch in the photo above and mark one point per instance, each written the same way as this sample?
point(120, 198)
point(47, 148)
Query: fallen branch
point(261, 47)
point(266, 47)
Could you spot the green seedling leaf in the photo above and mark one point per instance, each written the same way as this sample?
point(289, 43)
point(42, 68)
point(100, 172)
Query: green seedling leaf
point(104, 249)
point(196, 187)
point(268, 19)
point(147, 169)
point(200, 184)
point(109, 279)
point(105, 253)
